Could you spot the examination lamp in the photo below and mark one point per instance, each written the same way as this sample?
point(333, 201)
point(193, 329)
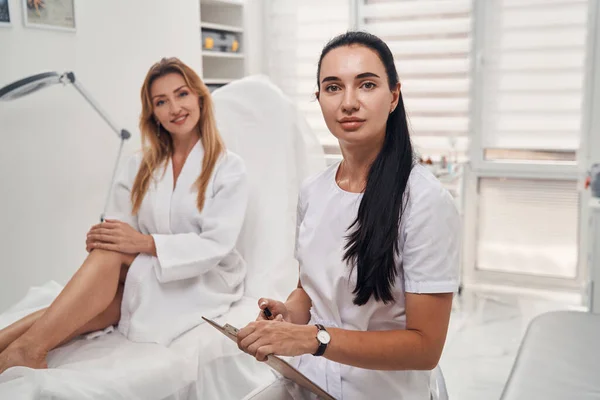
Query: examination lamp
point(36, 82)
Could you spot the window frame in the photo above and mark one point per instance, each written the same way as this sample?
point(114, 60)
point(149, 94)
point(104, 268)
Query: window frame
point(478, 167)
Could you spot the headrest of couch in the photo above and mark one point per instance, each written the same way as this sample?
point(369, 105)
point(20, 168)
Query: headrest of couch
point(262, 125)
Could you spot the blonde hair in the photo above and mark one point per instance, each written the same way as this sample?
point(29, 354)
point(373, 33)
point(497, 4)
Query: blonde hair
point(157, 143)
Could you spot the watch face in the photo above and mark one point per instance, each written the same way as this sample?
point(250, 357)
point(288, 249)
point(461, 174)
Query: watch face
point(323, 337)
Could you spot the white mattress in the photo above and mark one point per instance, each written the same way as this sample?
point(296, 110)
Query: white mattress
point(201, 364)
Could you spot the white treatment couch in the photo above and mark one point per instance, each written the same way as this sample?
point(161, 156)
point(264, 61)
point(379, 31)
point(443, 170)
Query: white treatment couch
point(559, 359)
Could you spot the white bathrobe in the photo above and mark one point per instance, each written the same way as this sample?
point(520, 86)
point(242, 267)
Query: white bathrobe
point(198, 271)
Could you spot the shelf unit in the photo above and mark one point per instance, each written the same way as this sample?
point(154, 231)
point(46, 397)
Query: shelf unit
point(224, 2)
point(222, 21)
point(221, 27)
point(219, 54)
point(217, 81)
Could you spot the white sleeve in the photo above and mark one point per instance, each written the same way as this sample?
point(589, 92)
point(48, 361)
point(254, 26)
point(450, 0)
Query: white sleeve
point(431, 243)
point(187, 255)
point(120, 203)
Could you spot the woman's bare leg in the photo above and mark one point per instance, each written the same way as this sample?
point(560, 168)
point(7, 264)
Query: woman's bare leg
point(16, 329)
point(12, 332)
point(106, 318)
point(89, 292)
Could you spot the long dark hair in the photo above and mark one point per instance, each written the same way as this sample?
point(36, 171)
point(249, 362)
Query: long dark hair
point(373, 239)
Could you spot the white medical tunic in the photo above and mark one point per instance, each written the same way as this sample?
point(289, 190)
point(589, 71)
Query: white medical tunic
point(197, 271)
point(427, 263)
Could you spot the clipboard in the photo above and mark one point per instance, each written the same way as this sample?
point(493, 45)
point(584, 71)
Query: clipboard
point(278, 364)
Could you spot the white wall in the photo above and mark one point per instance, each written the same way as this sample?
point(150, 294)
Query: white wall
point(255, 37)
point(56, 154)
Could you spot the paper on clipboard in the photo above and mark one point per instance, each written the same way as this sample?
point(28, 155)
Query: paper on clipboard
point(278, 364)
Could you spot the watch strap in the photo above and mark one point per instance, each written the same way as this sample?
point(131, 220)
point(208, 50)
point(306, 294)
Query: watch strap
point(322, 346)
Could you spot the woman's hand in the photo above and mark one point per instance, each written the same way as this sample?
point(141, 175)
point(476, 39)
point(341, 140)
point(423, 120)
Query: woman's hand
point(118, 236)
point(261, 338)
point(278, 310)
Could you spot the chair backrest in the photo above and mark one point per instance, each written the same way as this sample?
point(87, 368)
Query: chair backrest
point(263, 126)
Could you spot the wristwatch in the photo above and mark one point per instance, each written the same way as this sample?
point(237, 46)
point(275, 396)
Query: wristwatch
point(323, 338)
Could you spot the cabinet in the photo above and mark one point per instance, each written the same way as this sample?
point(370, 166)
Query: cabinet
point(222, 31)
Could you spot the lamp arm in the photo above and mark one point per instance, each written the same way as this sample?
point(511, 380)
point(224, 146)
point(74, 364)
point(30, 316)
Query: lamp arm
point(112, 181)
point(123, 134)
point(70, 77)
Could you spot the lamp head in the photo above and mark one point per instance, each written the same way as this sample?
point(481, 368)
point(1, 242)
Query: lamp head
point(28, 85)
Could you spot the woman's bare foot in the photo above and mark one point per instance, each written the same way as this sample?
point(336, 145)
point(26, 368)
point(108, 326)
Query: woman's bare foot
point(19, 355)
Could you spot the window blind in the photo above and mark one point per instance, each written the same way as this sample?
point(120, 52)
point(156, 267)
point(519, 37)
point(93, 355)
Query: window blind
point(297, 32)
point(431, 42)
point(533, 69)
point(528, 226)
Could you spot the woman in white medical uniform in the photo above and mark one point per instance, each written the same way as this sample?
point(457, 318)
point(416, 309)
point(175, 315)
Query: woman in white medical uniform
point(377, 245)
point(177, 211)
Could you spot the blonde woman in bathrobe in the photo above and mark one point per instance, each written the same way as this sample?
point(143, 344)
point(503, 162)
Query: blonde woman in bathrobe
point(166, 256)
